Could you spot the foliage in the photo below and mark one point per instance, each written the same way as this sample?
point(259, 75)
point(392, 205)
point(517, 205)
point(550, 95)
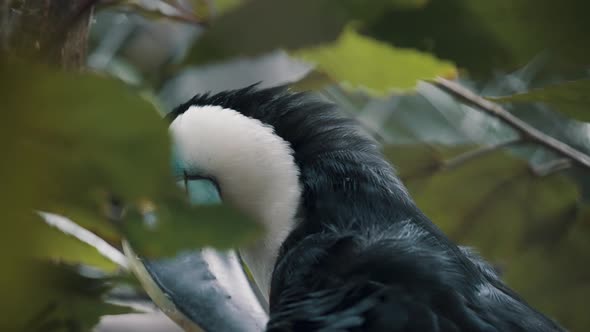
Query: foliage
point(295, 24)
point(71, 299)
point(483, 36)
point(358, 62)
point(96, 150)
point(74, 144)
point(570, 98)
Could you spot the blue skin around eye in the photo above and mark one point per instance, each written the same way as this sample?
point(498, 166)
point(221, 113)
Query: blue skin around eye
point(201, 191)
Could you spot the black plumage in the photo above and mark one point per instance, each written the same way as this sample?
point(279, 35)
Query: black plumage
point(363, 257)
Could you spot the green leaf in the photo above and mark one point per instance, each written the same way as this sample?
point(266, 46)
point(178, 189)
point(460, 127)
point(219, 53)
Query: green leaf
point(531, 226)
point(71, 300)
point(39, 296)
point(171, 225)
point(260, 26)
point(77, 246)
point(245, 32)
point(359, 61)
point(570, 98)
point(76, 141)
point(71, 144)
point(487, 36)
point(88, 135)
point(211, 10)
point(222, 6)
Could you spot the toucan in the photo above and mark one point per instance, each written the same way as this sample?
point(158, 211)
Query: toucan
point(345, 249)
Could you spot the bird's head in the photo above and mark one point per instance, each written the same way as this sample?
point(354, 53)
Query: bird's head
point(253, 168)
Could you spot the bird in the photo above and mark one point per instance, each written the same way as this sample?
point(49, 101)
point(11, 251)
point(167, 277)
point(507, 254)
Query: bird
point(346, 248)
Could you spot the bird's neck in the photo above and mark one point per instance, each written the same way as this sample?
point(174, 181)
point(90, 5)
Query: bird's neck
point(254, 168)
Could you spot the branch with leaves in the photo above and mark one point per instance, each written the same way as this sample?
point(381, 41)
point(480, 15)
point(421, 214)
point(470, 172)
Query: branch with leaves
point(526, 131)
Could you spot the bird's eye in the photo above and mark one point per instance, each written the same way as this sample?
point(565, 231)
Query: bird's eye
point(202, 189)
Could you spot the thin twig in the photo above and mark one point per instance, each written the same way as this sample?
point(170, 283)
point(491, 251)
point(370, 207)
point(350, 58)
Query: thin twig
point(551, 167)
point(526, 131)
point(470, 155)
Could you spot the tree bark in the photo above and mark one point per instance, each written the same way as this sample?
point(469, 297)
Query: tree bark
point(51, 31)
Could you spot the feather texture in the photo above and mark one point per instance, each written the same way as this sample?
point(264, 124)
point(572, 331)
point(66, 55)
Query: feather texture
point(362, 256)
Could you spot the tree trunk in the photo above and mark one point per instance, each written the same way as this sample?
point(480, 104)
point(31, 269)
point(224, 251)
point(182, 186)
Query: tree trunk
point(51, 31)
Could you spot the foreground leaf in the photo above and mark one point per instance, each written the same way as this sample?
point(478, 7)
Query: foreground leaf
point(261, 26)
point(171, 225)
point(102, 150)
point(216, 7)
point(570, 98)
point(78, 138)
point(71, 299)
point(67, 242)
point(487, 36)
point(88, 148)
point(377, 67)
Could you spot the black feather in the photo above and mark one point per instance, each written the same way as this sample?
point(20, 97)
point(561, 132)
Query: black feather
point(363, 257)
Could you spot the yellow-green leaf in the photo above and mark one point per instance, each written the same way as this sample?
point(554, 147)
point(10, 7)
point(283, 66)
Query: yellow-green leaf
point(362, 62)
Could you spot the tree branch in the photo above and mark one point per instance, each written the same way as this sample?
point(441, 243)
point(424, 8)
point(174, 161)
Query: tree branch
point(51, 31)
point(525, 130)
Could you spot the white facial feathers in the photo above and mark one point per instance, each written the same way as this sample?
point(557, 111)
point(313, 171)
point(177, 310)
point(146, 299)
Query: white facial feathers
point(255, 171)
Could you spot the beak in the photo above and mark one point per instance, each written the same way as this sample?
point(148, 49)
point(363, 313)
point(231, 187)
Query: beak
point(204, 289)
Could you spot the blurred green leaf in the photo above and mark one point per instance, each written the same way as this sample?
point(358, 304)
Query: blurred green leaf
point(518, 220)
point(20, 280)
point(88, 148)
point(260, 26)
point(570, 98)
point(222, 6)
point(71, 300)
point(58, 246)
point(76, 141)
point(359, 61)
point(487, 36)
point(45, 297)
point(265, 25)
point(85, 135)
point(173, 225)
point(559, 271)
point(211, 10)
